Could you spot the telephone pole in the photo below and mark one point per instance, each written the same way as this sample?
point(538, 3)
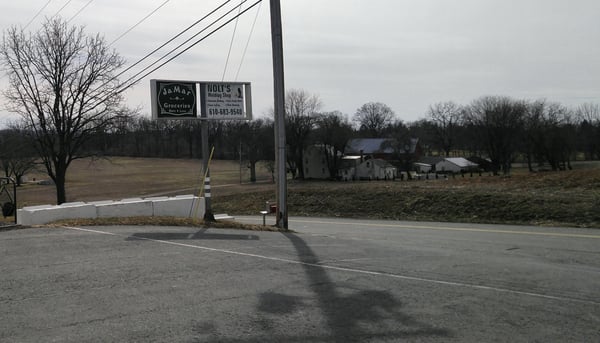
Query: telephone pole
point(279, 95)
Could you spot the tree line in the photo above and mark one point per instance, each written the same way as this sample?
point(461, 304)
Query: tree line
point(541, 133)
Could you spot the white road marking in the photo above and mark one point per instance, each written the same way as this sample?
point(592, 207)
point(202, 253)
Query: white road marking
point(438, 228)
point(351, 270)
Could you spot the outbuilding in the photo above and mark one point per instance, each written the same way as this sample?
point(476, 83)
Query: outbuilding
point(455, 165)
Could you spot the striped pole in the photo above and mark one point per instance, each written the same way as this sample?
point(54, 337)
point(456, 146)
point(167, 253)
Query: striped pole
point(207, 190)
point(208, 214)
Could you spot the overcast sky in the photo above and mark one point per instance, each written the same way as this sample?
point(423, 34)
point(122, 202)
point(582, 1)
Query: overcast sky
point(406, 54)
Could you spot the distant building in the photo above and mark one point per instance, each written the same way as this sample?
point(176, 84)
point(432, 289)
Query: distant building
point(445, 165)
point(315, 163)
point(427, 164)
point(383, 148)
point(376, 169)
point(455, 165)
point(348, 167)
point(484, 164)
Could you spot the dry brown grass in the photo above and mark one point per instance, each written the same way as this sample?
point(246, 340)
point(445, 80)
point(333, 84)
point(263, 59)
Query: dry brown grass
point(125, 177)
point(570, 198)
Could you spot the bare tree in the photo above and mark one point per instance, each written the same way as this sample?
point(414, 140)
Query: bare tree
point(445, 117)
point(498, 122)
point(588, 116)
point(17, 155)
point(301, 111)
point(333, 132)
point(61, 83)
point(548, 134)
point(373, 118)
point(590, 112)
point(256, 142)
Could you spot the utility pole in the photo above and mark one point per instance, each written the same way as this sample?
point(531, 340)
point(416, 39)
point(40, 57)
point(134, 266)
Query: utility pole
point(279, 95)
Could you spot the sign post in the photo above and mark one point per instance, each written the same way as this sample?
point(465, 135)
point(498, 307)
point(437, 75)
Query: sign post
point(172, 99)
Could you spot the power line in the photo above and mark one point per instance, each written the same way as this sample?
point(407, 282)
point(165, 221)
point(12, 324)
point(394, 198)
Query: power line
point(188, 40)
point(248, 41)
point(37, 14)
point(186, 49)
point(231, 43)
point(162, 46)
point(62, 8)
point(139, 22)
point(76, 14)
point(169, 41)
point(125, 85)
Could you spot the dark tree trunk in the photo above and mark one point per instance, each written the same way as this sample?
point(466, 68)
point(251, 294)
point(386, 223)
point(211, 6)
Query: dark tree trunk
point(252, 165)
point(59, 181)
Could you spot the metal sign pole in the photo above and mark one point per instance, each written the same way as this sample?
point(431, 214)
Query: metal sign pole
point(279, 95)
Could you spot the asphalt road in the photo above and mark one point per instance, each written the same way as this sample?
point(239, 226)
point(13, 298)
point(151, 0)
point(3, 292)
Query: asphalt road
point(334, 280)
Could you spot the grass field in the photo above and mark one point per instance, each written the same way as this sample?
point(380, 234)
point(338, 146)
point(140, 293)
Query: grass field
point(569, 198)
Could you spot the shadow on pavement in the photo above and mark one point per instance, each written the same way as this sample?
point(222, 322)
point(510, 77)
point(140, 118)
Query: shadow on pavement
point(199, 235)
point(362, 316)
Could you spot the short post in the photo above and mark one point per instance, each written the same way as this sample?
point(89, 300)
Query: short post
point(264, 214)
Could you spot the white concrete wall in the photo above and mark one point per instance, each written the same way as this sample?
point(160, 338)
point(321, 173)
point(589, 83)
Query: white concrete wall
point(136, 207)
point(186, 206)
point(46, 214)
point(179, 206)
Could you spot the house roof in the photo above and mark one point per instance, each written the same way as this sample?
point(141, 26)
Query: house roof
point(431, 160)
point(461, 162)
point(367, 146)
point(370, 146)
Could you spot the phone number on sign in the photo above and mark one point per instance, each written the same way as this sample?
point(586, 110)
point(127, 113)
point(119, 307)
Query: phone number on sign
point(225, 112)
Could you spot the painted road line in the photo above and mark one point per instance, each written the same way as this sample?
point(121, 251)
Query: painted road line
point(351, 270)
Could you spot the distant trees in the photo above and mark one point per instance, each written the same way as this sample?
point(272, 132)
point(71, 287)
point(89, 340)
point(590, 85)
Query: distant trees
point(256, 142)
point(62, 84)
point(548, 135)
point(502, 129)
point(588, 115)
point(301, 110)
point(332, 133)
point(497, 121)
point(445, 118)
point(17, 155)
point(373, 118)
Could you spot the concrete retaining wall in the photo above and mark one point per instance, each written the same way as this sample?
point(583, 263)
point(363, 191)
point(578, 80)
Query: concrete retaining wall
point(180, 206)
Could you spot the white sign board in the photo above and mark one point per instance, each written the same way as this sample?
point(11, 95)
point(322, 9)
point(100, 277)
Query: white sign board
point(225, 100)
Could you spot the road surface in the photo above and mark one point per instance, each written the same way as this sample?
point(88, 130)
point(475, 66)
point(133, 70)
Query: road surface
point(333, 280)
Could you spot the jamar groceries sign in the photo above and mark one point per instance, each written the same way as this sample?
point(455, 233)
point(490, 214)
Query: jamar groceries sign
point(218, 100)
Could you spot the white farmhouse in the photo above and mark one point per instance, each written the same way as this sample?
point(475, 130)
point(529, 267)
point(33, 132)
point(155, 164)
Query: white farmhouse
point(375, 169)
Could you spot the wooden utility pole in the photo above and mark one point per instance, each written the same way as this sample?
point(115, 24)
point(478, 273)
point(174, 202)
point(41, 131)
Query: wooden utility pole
point(279, 95)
